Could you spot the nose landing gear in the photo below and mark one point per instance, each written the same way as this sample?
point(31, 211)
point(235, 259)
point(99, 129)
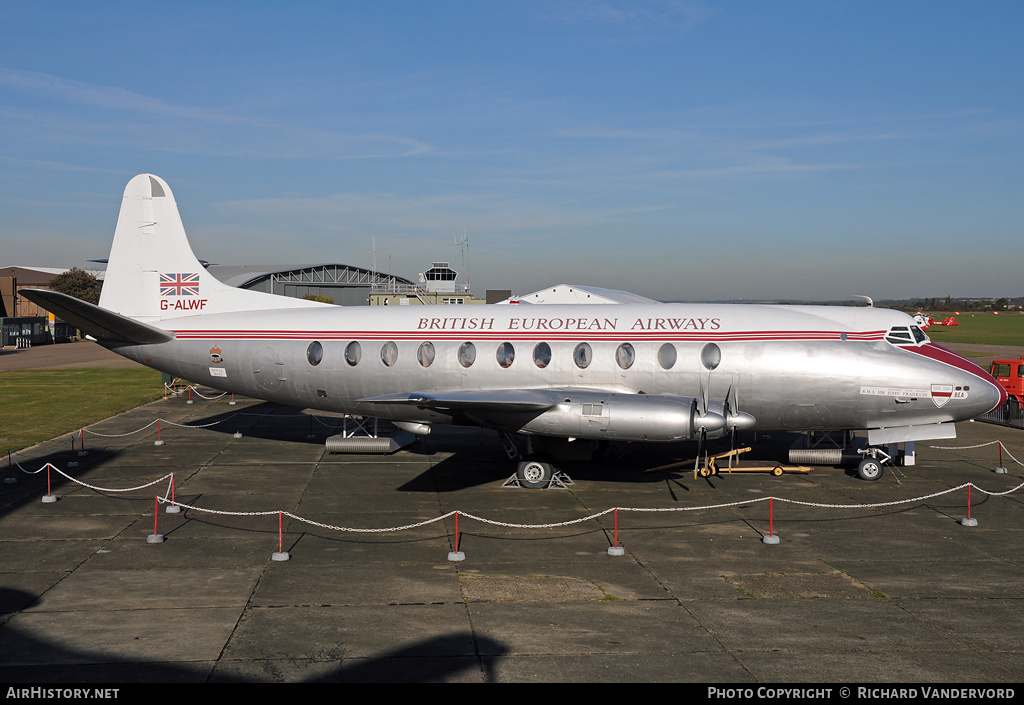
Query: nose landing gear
point(871, 465)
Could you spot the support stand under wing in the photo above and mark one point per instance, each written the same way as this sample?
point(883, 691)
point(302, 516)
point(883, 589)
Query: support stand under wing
point(362, 436)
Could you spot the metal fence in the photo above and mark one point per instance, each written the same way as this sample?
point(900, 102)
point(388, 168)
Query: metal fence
point(1009, 414)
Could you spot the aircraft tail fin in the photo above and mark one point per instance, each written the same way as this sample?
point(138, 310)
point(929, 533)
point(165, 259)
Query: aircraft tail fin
point(152, 273)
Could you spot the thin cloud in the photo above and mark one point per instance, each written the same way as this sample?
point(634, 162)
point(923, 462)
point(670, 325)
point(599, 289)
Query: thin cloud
point(669, 14)
point(256, 138)
point(108, 97)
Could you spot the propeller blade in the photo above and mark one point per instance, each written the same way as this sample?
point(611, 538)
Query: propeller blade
point(701, 443)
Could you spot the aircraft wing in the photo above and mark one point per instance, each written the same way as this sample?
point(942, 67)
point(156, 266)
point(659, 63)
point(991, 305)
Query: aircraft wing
point(506, 400)
point(97, 322)
point(575, 412)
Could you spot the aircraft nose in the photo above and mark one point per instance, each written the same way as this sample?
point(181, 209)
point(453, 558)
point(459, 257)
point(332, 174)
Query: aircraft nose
point(990, 393)
point(981, 393)
point(984, 392)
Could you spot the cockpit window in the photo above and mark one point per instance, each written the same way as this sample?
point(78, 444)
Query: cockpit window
point(899, 335)
point(905, 335)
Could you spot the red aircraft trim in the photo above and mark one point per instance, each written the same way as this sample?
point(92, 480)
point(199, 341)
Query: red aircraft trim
point(478, 334)
point(947, 356)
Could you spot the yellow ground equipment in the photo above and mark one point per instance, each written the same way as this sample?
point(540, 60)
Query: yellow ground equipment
point(711, 466)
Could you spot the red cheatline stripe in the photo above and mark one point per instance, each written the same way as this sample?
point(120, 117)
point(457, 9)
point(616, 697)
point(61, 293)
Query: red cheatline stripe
point(522, 335)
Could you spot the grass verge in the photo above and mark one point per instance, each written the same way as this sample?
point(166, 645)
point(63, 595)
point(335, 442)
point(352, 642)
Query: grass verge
point(984, 328)
point(37, 405)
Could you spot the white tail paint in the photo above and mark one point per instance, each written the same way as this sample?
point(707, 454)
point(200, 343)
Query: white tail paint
point(152, 273)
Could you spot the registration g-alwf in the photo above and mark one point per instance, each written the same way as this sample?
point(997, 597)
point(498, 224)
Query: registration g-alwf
point(560, 374)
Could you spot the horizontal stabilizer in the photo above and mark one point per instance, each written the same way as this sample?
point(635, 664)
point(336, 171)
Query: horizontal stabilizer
point(101, 324)
point(509, 400)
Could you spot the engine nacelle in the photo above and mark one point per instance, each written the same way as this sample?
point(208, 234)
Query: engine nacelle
point(626, 417)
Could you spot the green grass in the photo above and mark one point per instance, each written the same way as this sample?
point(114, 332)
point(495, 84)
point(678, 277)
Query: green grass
point(37, 405)
point(984, 328)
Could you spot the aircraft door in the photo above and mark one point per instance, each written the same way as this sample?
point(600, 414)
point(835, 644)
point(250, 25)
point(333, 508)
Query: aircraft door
point(807, 416)
point(267, 369)
point(594, 419)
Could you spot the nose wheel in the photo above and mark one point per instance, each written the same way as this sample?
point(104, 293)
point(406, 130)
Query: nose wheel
point(870, 467)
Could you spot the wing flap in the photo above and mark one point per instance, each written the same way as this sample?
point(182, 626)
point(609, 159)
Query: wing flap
point(101, 324)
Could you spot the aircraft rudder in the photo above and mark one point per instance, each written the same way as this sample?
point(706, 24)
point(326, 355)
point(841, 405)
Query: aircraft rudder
point(153, 274)
point(150, 248)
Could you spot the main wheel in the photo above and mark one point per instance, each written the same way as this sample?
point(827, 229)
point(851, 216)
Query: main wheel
point(869, 469)
point(534, 474)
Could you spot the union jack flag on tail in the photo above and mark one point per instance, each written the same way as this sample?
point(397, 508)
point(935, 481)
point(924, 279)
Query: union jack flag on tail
point(185, 284)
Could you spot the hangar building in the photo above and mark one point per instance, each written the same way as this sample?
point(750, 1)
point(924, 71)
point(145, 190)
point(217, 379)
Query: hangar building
point(345, 284)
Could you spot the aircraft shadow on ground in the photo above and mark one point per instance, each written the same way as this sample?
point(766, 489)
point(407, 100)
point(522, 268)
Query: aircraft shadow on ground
point(45, 661)
point(473, 462)
point(272, 421)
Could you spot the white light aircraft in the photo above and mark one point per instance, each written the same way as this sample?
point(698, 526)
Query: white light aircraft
point(604, 372)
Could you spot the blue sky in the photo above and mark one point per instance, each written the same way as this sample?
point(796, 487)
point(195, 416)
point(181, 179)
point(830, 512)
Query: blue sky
point(681, 150)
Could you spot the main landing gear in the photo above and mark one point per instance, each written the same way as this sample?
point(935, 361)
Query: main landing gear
point(534, 470)
point(534, 473)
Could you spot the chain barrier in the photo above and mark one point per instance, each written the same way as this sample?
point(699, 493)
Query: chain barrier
point(208, 425)
point(203, 396)
point(333, 426)
point(56, 450)
point(105, 490)
point(181, 390)
point(332, 527)
point(170, 478)
point(31, 472)
point(119, 435)
point(980, 445)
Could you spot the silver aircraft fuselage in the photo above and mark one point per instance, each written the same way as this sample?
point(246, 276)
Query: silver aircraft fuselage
point(788, 367)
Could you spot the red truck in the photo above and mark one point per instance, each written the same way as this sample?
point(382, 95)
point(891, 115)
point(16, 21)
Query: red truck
point(1010, 374)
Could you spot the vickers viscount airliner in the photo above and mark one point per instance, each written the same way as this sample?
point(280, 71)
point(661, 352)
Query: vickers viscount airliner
point(651, 372)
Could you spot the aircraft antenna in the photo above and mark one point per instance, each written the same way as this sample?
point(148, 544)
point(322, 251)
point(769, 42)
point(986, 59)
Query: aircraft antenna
point(463, 243)
point(871, 303)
